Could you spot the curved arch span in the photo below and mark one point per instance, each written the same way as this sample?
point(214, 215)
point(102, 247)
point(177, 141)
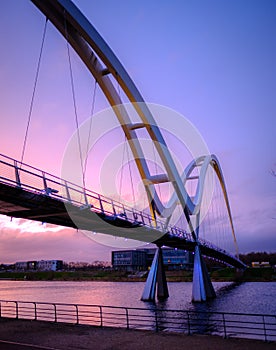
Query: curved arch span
point(102, 64)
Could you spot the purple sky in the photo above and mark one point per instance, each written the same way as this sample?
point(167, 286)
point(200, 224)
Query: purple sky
point(212, 61)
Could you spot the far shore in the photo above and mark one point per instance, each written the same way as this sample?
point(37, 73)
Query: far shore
point(109, 275)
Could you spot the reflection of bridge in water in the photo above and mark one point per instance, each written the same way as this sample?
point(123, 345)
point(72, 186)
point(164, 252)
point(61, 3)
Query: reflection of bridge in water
point(29, 193)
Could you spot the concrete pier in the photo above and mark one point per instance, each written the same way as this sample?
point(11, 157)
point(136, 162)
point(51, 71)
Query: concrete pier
point(202, 285)
point(156, 277)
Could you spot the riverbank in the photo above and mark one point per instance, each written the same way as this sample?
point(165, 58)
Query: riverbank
point(65, 337)
point(222, 275)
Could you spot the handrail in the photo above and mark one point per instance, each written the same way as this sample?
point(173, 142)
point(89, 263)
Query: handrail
point(68, 185)
point(226, 324)
point(98, 203)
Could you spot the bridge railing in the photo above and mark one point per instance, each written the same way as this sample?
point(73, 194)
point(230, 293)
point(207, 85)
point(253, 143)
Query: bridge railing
point(29, 178)
point(226, 324)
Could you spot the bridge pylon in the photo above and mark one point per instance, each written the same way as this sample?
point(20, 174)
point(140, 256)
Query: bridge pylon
point(156, 278)
point(202, 285)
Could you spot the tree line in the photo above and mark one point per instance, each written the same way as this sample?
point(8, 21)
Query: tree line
point(258, 257)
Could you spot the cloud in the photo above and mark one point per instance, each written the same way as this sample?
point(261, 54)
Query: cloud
point(22, 240)
point(27, 225)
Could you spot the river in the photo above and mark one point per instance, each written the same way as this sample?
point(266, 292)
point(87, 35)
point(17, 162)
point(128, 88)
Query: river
point(249, 297)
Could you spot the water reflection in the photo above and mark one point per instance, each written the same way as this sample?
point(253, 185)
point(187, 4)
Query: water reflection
point(253, 297)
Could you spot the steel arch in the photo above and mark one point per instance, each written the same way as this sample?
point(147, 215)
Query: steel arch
point(102, 64)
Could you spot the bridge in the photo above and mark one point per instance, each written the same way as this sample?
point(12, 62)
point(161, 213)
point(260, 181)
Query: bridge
point(30, 193)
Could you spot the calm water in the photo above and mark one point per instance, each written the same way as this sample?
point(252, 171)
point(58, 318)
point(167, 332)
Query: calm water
point(251, 297)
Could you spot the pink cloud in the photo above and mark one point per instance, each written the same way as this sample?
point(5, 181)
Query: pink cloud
point(26, 240)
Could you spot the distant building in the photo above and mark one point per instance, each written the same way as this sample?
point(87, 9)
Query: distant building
point(141, 259)
point(41, 265)
point(260, 264)
point(49, 265)
point(173, 259)
point(32, 265)
point(129, 260)
point(21, 265)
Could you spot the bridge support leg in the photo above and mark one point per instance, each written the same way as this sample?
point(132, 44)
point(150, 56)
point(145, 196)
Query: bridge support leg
point(202, 285)
point(157, 277)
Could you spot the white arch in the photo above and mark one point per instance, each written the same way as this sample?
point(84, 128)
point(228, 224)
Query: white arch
point(102, 63)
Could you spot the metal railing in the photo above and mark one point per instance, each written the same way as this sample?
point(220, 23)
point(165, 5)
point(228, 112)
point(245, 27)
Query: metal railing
point(28, 178)
point(226, 324)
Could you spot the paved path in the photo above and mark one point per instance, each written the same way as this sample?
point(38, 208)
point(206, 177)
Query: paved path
point(37, 335)
point(7, 345)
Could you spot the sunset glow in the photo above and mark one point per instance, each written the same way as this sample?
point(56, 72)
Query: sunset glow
point(212, 62)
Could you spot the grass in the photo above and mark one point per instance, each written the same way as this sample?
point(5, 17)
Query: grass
point(226, 274)
point(249, 275)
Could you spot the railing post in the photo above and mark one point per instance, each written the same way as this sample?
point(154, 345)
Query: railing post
point(142, 218)
point(127, 319)
point(189, 325)
point(77, 313)
point(124, 210)
point(101, 204)
point(156, 321)
point(17, 177)
point(113, 208)
point(44, 183)
point(16, 309)
point(84, 196)
point(101, 316)
point(55, 308)
point(67, 192)
point(35, 311)
point(265, 335)
point(224, 326)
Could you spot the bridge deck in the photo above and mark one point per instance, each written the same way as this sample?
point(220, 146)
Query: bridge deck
point(29, 193)
point(20, 203)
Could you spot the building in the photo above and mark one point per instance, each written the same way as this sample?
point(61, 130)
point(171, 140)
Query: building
point(41, 265)
point(32, 265)
point(49, 265)
point(129, 260)
point(21, 265)
point(25, 265)
point(178, 259)
point(260, 264)
point(141, 259)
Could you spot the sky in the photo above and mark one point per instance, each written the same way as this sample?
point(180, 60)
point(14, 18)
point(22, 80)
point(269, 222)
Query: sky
point(211, 61)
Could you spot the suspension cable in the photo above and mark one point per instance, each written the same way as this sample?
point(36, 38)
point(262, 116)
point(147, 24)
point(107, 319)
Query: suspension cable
point(216, 210)
point(203, 214)
point(74, 99)
point(122, 170)
point(131, 180)
point(128, 156)
point(156, 170)
point(224, 223)
point(208, 221)
point(34, 90)
point(90, 128)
